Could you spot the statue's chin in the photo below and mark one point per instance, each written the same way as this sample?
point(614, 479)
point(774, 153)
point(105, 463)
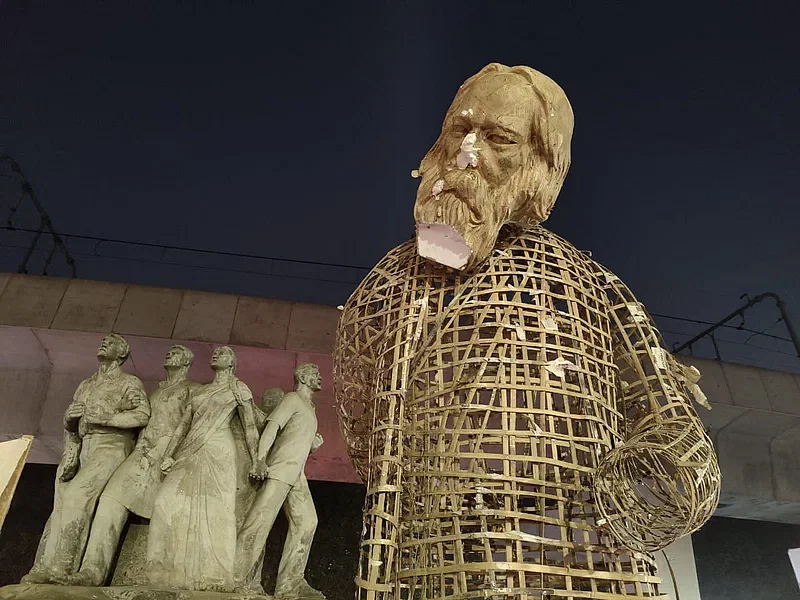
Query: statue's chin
point(442, 244)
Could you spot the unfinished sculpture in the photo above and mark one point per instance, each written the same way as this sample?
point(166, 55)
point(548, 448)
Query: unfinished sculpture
point(100, 428)
point(520, 429)
point(289, 436)
point(192, 536)
point(133, 487)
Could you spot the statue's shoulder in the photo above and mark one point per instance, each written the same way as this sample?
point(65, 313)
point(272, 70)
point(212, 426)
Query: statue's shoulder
point(130, 379)
point(530, 236)
point(396, 267)
point(243, 388)
point(539, 237)
point(399, 259)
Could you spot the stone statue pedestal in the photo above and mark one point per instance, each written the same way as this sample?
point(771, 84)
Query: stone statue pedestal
point(63, 592)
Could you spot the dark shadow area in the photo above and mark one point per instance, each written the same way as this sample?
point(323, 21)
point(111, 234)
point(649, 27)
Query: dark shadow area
point(746, 560)
point(332, 564)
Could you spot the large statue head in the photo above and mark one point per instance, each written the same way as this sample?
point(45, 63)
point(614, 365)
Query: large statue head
point(502, 157)
point(114, 348)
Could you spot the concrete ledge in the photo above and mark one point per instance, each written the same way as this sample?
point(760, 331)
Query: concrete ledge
point(148, 311)
point(102, 307)
point(89, 306)
point(30, 300)
point(205, 317)
point(261, 322)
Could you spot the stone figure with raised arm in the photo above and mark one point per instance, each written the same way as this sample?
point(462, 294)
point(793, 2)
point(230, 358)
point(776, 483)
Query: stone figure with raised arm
point(509, 404)
point(192, 537)
point(133, 487)
point(289, 436)
point(100, 424)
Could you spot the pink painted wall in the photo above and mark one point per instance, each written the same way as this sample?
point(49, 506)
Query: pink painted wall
point(40, 369)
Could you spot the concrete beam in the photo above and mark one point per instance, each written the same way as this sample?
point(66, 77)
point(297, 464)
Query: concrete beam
point(96, 306)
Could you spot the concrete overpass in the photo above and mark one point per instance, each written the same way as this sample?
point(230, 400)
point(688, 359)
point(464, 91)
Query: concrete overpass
point(50, 329)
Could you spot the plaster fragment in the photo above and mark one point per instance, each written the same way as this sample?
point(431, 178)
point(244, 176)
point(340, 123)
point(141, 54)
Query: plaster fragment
point(659, 358)
point(637, 313)
point(560, 366)
point(468, 157)
point(549, 323)
point(437, 187)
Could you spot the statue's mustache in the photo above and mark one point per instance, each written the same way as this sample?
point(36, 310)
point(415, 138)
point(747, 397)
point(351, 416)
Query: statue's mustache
point(468, 188)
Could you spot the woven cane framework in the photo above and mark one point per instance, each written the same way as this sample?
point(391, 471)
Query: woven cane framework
point(520, 429)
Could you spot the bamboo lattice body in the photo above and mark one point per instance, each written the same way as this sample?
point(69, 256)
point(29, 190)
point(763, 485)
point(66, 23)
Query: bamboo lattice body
point(520, 428)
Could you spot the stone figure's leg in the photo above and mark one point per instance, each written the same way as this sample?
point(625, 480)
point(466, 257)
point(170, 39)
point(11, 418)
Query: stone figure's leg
point(255, 531)
point(37, 573)
point(62, 537)
point(109, 520)
point(302, 517)
point(75, 503)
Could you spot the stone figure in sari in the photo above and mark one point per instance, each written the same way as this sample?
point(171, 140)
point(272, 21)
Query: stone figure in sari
point(192, 538)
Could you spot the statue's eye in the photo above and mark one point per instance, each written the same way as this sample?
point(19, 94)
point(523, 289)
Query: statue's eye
point(498, 138)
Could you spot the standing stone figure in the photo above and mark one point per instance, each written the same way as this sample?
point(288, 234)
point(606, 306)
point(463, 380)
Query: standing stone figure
point(288, 438)
point(101, 425)
point(192, 536)
point(521, 431)
point(133, 486)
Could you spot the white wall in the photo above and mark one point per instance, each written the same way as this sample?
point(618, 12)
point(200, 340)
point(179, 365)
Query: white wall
point(681, 558)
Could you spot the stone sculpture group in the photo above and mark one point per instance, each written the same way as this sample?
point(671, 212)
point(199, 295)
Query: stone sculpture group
point(173, 459)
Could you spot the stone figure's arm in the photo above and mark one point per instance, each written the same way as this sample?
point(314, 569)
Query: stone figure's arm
point(267, 439)
point(260, 469)
point(260, 418)
point(246, 412)
point(180, 432)
point(70, 458)
point(663, 481)
point(74, 411)
point(136, 417)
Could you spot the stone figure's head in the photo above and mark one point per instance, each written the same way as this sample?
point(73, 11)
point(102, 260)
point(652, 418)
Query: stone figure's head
point(178, 356)
point(271, 398)
point(114, 347)
point(308, 374)
point(501, 157)
point(223, 358)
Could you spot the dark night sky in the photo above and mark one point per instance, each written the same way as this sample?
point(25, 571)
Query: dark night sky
point(289, 129)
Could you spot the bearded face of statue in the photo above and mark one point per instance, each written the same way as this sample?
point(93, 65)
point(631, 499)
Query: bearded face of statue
point(487, 168)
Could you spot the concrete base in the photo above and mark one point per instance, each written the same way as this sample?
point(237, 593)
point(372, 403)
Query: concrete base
point(59, 592)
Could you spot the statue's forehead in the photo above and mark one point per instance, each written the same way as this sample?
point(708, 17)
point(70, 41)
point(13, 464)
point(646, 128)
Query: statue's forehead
point(504, 98)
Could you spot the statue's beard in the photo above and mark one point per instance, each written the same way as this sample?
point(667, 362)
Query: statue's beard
point(458, 227)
